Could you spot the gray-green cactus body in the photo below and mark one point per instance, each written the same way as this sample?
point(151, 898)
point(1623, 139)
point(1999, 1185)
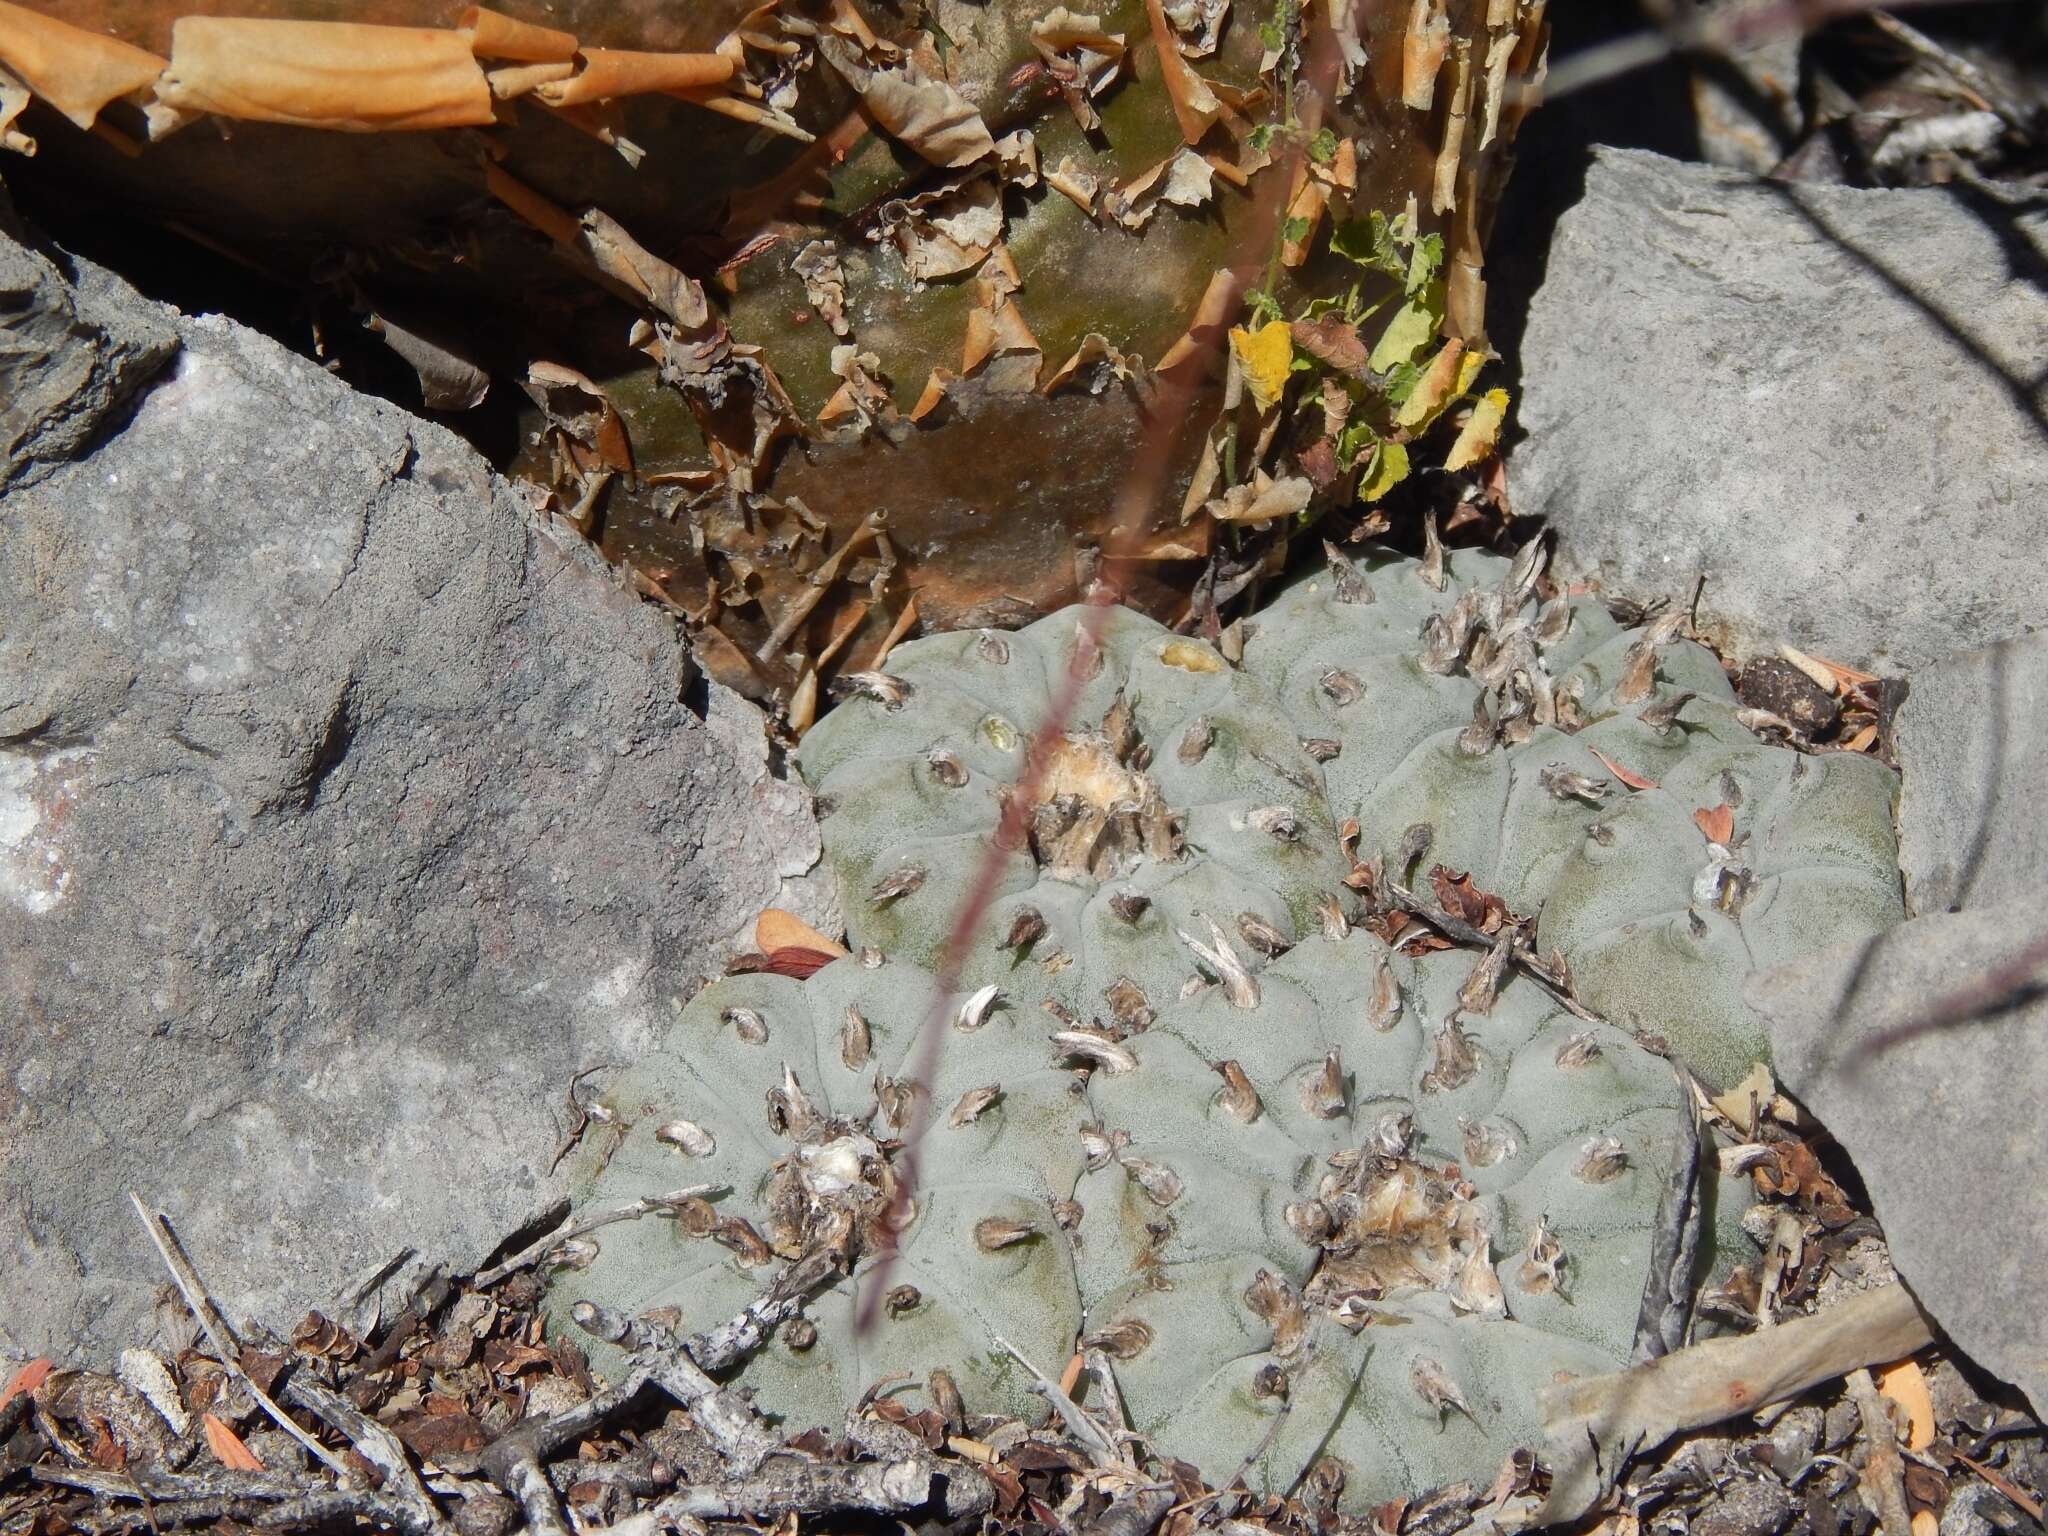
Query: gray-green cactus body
point(1391, 1206)
point(1477, 713)
point(722, 1101)
point(1337, 1184)
point(1179, 798)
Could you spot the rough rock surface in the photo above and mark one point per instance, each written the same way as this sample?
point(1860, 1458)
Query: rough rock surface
point(1973, 807)
point(1831, 402)
point(1941, 1115)
point(71, 351)
point(346, 811)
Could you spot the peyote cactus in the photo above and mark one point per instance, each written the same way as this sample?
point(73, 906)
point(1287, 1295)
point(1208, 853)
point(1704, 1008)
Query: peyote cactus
point(1177, 814)
point(1693, 855)
point(1366, 1185)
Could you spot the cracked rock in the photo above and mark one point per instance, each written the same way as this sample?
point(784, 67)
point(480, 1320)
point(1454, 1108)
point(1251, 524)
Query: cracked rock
point(346, 811)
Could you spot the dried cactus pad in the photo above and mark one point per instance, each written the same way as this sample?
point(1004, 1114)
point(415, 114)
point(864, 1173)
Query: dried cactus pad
point(1343, 1187)
point(1178, 802)
point(1476, 712)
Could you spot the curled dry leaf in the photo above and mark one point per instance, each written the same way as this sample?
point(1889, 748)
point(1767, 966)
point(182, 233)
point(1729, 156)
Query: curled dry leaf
point(1460, 898)
point(1183, 178)
point(775, 930)
point(1263, 500)
point(1632, 780)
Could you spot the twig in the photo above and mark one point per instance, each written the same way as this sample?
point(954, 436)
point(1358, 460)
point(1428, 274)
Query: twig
point(377, 1445)
point(249, 1498)
point(1994, 989)
point(1720, 32)
point(2020, 1498)
point(1884, 1473)
point(1597, 1423)
point(532, 1253)
point(659, 1356)
point(1101, 1449)
point(1522, 954)
point(218, 1334)
point(716, 1348)
point(789, 1486)
point(1954, 65)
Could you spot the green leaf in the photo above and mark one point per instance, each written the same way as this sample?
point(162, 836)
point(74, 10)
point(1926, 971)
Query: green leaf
point(1412, 329)
point(1263, 306)
point(1401, 381)
point(1356, 442)
point(1388, 469)
point(1424, 261)
point(1271, 35)
point(1323, 147)
point(1261, 137)
point(1369, 242)
point(1294, 231)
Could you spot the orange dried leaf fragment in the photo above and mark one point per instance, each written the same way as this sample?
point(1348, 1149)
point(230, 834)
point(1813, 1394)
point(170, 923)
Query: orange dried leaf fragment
point(1717, 825)
point(496, 36)
point(342, 75)
point(27, 1379)
point(76, 71)
point(227, 1446)
point(609, 73)
point(1632, 780)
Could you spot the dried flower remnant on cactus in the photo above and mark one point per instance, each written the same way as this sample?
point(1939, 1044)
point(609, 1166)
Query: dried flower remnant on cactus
point(1248, 1210)
point(1176, 802)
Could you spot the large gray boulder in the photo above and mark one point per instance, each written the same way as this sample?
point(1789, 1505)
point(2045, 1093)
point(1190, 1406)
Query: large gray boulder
point(347, 810)
point(1973, 804)
point(1921, 1053)
point(1832, 403)
point(1927, 1066)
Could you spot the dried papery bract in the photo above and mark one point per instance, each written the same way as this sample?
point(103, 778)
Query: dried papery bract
point(1454, 1059)
point(1239, 985)
point(1436, 1389)
point(1322, 1092)
point(1602, 1158)
point(856, 1040)
point(994, 1233)
point(1096, 1048)
point(1027, 927)
point(687, 1137)
point(973, 1104)
point(1541, 1271)
point(1383, 1009)
point(1238, 1098)
point(974, 1012)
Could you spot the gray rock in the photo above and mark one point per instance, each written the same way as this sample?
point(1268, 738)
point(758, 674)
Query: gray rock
point(1940, 1114)
point(347, 810)
point(70, 354)
point(1973, 803)
point(1833, 403)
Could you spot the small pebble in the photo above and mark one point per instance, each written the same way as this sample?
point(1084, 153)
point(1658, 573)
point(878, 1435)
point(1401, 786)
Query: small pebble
point(1772, 683)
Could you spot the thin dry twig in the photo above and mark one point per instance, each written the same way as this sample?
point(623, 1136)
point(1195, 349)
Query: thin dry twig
point(1522, 955)
point(220, 1335)
point(534, 1252)
point(1884, 1471)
